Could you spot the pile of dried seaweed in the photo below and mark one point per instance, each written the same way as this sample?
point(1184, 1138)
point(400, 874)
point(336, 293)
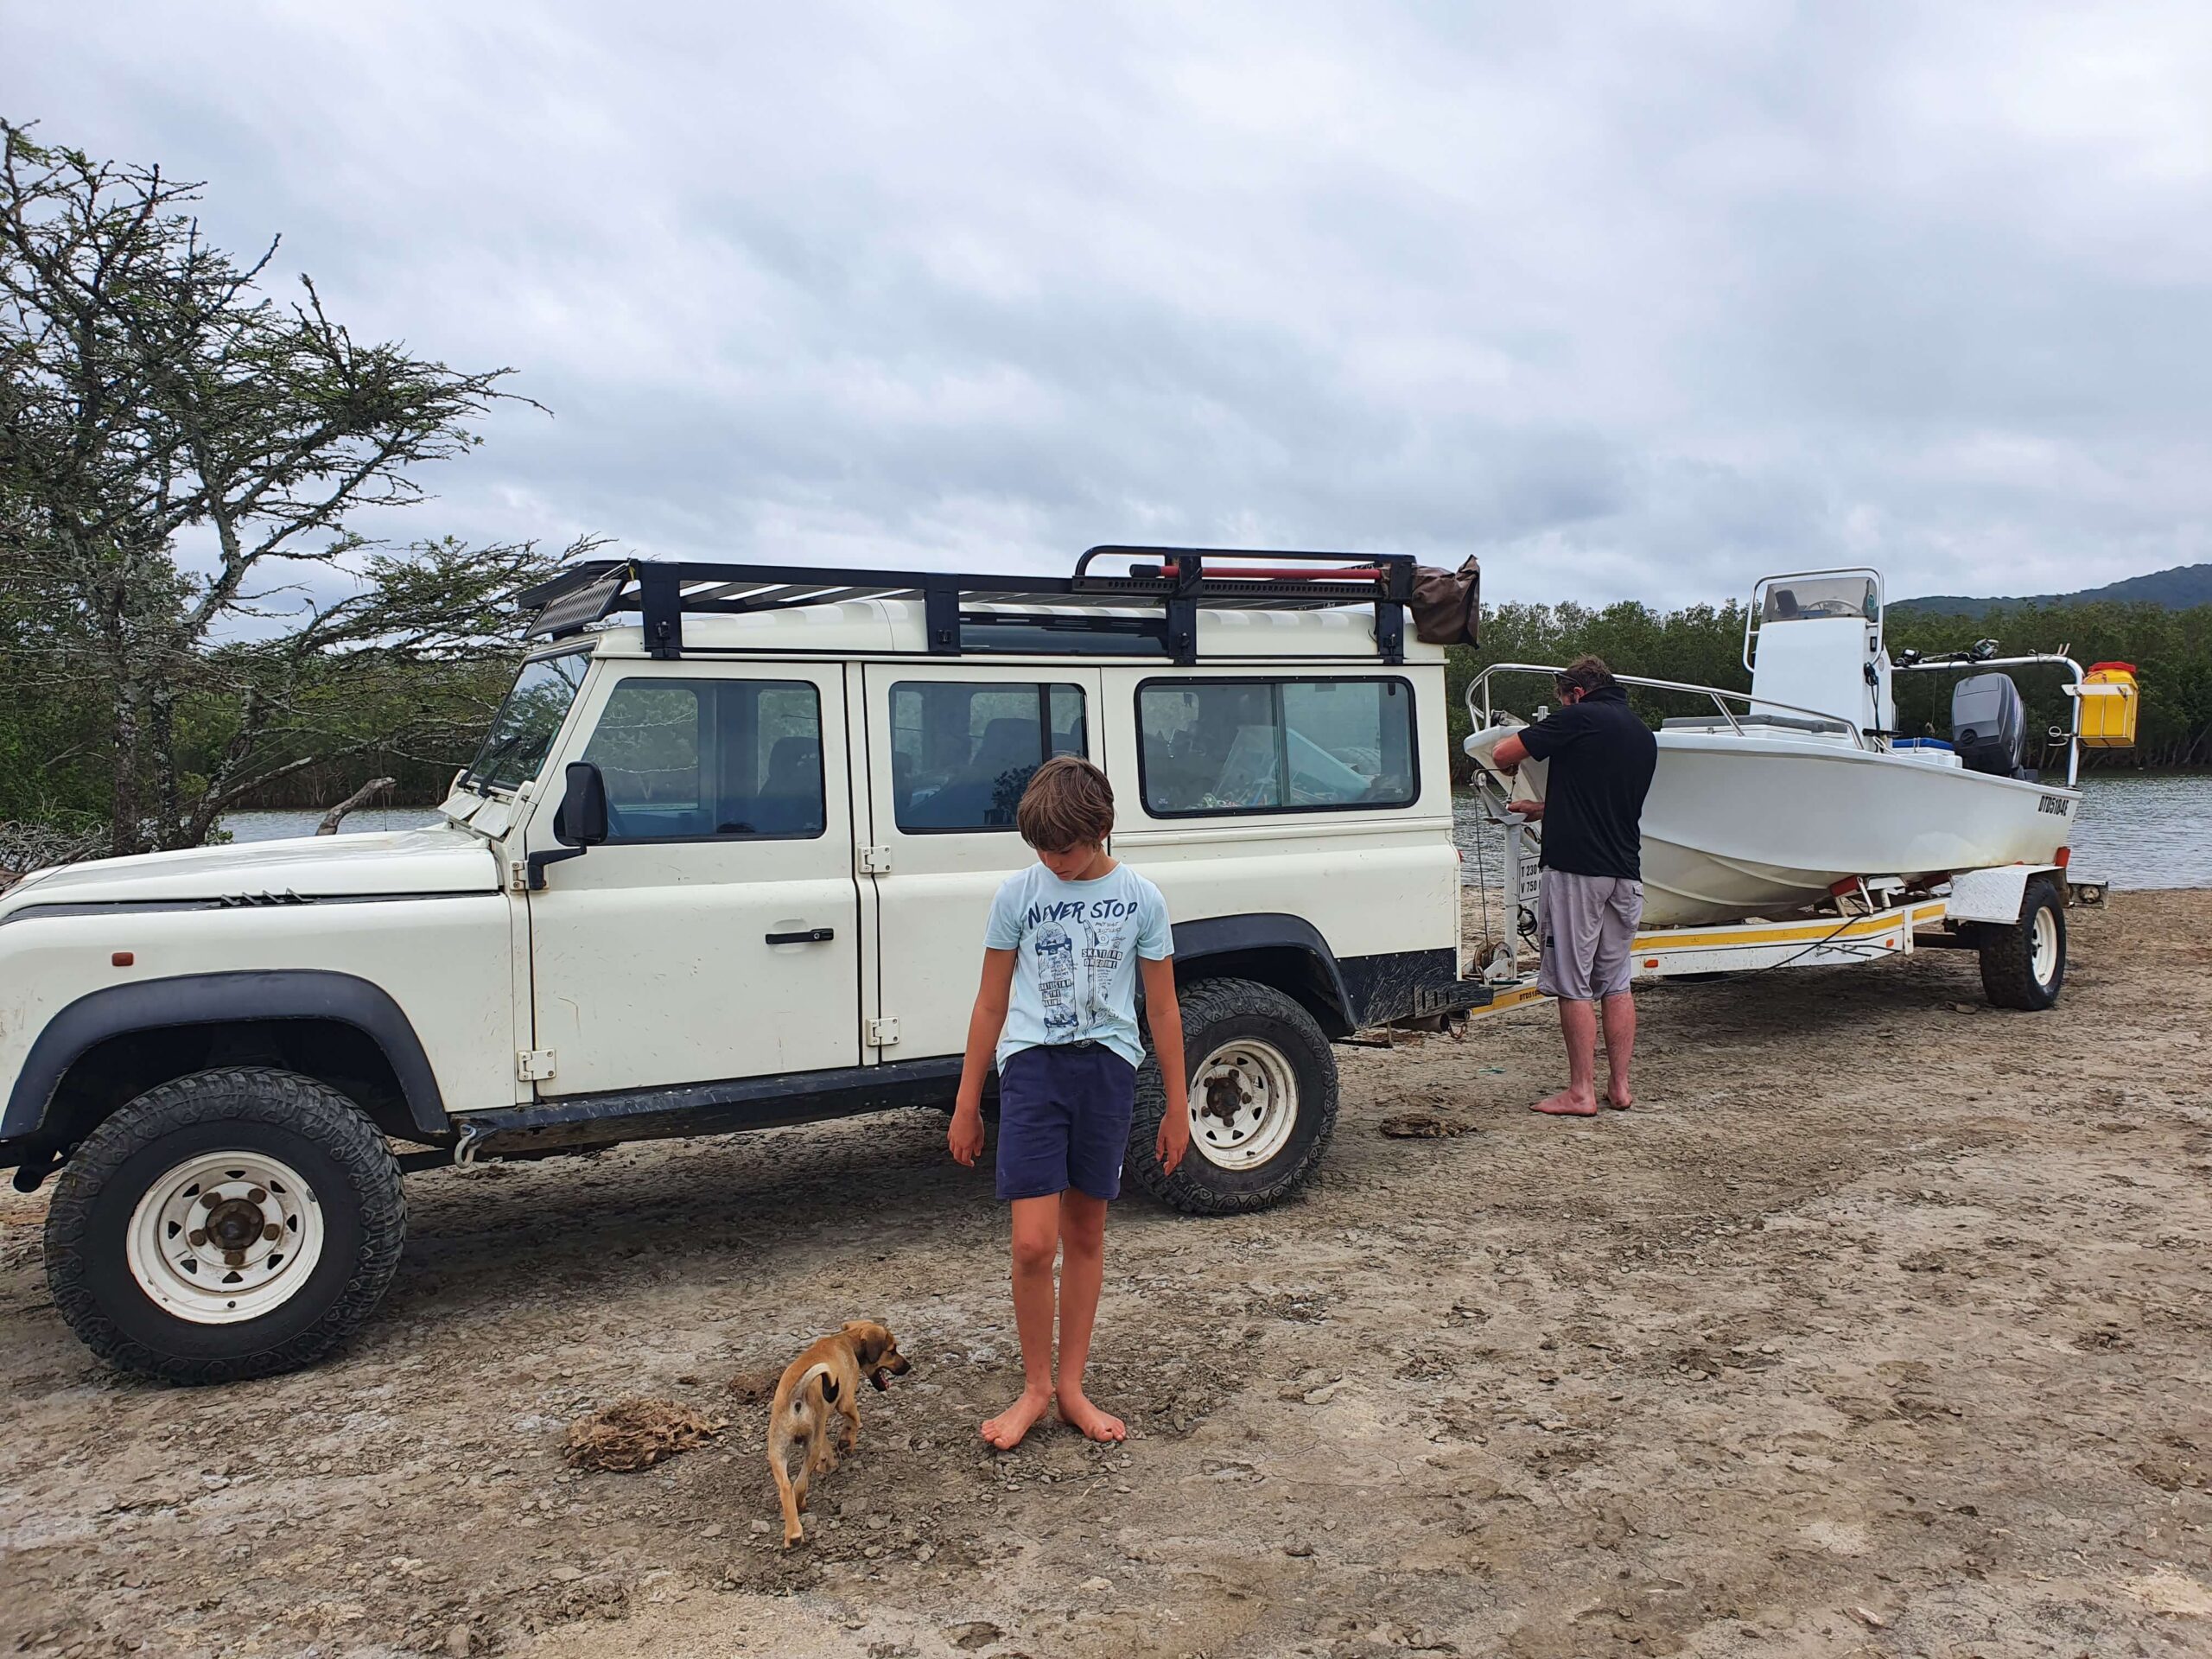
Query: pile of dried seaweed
point(636, 1435)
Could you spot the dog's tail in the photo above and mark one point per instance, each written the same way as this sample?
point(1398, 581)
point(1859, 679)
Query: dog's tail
point(817, 1387)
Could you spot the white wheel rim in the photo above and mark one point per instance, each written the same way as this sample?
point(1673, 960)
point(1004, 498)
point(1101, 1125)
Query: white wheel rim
point(224, 1237)
point(2045, 938)
point(1244, 1105)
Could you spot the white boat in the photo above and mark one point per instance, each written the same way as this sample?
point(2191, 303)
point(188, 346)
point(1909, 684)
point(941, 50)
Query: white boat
point(1777, 800)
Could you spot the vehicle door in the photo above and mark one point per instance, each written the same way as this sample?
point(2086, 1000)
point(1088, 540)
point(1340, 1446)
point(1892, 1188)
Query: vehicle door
point(950, 748)
point(713, 934)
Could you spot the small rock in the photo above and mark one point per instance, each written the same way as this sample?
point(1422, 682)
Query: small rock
point(715, 1530)
point(461, 1641)
point(1096, 1586)
point(760, 1525)
point(1300, 1549)
point(1873, 1621)
point(1326, 1392)
point(566, 1575)
point(976, 1633)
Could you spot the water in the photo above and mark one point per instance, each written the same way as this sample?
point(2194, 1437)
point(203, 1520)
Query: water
point(2132, 831)
point(2145, 832)
point(276, 823)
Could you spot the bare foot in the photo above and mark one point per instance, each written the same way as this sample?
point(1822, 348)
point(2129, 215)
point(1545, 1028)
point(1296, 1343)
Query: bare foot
point(1565, 1103)
point(1005, 1431)
point(1620, 1097)
point(1078, 1412)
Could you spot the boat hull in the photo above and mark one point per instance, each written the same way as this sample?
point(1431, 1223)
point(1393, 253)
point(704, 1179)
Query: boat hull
point(1739, 827)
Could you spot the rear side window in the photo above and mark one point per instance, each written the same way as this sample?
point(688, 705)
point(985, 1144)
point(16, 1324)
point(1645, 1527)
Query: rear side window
point(695, 760)
point(1216, 746)
point(961, 753)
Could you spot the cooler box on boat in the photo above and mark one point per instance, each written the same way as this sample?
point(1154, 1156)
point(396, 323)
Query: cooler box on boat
point(2108, 717)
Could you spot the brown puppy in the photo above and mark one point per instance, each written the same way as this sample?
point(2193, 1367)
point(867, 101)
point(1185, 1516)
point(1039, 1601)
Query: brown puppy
point(826, 1378)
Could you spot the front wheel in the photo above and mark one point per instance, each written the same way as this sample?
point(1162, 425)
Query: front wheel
point(1263, 1101)
point(2025, 965)
point(228, 1224)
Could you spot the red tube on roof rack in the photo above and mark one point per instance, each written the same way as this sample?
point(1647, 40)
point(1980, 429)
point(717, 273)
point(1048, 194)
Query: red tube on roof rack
point(1278, 572)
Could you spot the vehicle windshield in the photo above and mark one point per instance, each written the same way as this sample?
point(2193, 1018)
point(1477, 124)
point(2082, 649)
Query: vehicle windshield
point(523, 729)
point(1794, 599)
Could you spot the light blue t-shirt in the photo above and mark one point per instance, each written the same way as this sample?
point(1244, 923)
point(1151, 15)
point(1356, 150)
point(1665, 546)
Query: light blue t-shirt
point(1075, 946)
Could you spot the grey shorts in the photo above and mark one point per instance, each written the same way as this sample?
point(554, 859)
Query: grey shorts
point(1588, 924)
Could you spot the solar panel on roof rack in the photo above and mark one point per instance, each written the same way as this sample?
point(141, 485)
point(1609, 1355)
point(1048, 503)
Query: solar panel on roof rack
point(1178, 581)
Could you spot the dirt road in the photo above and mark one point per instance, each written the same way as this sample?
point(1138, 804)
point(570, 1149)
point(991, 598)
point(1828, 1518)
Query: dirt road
point(1884, 1327)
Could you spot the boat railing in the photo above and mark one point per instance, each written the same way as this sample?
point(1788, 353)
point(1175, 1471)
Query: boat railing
point(1721, 695)
point(1966, 661)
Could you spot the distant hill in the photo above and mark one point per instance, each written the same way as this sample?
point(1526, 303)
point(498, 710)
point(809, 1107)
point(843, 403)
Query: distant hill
point(2178, 589)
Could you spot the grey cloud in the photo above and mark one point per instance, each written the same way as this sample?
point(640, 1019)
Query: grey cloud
point(1635, 302)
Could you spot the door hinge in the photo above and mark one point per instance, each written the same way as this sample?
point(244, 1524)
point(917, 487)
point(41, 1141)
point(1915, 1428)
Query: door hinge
point(882, 1034)
point(874, 861)
point(534, 1064)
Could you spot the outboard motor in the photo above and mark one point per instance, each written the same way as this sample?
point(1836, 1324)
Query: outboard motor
point(1989, 725)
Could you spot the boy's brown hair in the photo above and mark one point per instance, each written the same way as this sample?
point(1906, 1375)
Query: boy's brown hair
point(1068, 803)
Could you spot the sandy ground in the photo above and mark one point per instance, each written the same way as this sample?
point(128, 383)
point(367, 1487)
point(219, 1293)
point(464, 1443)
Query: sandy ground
point(1883, 1328)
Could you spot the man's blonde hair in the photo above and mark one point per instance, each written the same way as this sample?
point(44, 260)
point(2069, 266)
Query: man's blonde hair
point(1068, 803)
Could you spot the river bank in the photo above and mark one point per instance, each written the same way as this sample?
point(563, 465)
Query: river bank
point(1879, 1328)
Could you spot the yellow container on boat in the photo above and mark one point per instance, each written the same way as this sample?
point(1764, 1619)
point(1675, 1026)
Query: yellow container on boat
point(2109, 717)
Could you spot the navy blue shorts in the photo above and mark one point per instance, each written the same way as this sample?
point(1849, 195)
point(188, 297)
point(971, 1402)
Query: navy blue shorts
point(1064, 1119)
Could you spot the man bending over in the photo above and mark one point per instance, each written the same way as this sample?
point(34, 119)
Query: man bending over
point(1590, 896)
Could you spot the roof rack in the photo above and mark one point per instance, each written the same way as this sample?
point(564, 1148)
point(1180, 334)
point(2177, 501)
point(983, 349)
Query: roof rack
point(1176, 581)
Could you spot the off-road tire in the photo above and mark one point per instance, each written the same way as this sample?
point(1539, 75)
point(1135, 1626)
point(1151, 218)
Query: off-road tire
point(1217, 1011)
point(2008, 953)
point(339, 1154)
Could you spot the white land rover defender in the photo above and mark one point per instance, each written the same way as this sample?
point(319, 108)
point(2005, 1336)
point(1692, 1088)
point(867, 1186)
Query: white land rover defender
point(722, 867)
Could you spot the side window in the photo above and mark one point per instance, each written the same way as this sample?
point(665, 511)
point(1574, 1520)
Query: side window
point(961, 752)
point(695, 760)
point(1212, 747)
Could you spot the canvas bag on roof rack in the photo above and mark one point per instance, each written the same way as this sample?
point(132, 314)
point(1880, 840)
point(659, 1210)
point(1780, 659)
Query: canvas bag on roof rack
point(1446, 604)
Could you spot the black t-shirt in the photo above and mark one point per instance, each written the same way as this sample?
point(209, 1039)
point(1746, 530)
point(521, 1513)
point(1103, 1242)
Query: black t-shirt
point(1602, 758)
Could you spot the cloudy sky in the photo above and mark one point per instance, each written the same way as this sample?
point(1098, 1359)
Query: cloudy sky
point(1634, 301)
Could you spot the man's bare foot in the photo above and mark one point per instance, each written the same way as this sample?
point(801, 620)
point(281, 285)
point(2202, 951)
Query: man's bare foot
point(1565, 1104)
point(1078, 1412)
point(1620, 1097)
point(1005, 1431)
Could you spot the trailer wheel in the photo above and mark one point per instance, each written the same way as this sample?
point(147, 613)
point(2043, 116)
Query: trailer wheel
point(1263, 1096)
point(228, 1224)
point(2025, 965)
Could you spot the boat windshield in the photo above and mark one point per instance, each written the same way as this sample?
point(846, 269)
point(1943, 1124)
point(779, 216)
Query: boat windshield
point(1795, 599)
point(524, 728)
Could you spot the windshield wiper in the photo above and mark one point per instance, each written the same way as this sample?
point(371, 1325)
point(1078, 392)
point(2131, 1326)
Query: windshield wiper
point(479, 774)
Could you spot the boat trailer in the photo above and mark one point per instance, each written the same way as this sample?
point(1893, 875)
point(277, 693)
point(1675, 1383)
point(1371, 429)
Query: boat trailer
point(1869, 919)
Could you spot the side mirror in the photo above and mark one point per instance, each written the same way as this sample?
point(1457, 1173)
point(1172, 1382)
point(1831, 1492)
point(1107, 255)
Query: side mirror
point(581, 820)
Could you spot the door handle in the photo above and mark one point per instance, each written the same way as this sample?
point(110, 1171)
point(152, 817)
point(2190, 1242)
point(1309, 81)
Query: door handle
point(805, 936)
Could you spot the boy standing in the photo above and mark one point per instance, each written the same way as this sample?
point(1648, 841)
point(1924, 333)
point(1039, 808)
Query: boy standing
point(1068, 938)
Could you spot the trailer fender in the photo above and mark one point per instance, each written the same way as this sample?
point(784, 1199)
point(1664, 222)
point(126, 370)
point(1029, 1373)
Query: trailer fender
point(1992, 895)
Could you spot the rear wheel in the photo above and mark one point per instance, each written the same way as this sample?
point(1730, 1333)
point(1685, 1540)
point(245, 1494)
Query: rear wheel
point(2023, 966)
point(1262, 1100)
point(228, 1224)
